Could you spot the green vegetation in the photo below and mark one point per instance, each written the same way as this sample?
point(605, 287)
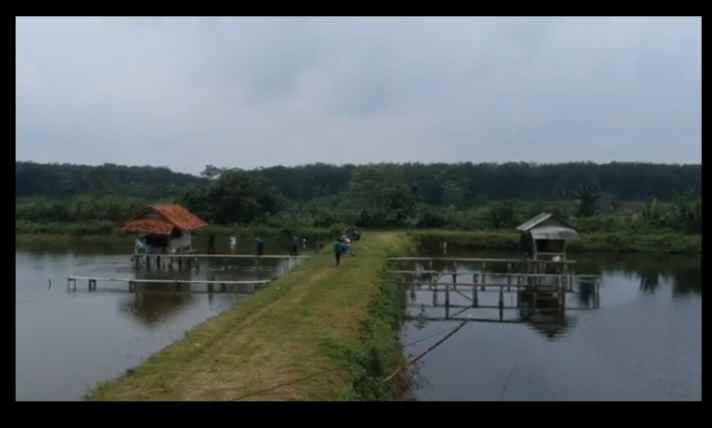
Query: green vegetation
point(607, 203)
point(65, 180)
point(320, 333)
point(614, 242)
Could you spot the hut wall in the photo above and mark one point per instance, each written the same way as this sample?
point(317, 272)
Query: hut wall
point(183, 241)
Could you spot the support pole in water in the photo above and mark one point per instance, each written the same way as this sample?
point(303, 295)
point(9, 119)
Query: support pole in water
point(501, 302)
point(475, 303)
point(447, 300)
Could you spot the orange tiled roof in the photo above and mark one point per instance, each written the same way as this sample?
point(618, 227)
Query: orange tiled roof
point(171, 215)
point(147, 225)
point(179, 216)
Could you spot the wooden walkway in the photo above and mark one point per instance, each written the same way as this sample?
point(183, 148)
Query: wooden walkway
point(92, 280)
point(192, 261)
point(479, 260)
point(223, 256)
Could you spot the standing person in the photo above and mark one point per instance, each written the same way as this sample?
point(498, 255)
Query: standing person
point(338, 248)
point(295, 246)
point(260, 246)
point(233, 244)
point(211, 243)
point(304, 243)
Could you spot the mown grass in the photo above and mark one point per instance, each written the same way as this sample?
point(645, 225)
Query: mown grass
point(320, 333)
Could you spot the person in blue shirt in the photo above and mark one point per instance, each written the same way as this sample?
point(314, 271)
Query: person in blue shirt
point(338, 250)
point(260, 246)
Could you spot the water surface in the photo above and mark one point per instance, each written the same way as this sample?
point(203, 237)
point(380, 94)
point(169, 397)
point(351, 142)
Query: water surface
point(643, 342)
point(68, 341)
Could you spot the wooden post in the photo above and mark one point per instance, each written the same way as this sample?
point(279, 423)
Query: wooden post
point(509, 277)
point(454, 281)
point(501, 302)
point(447, 300)
point(148, 262)
point(475, 303)
point(483, 276)
point(158, 262)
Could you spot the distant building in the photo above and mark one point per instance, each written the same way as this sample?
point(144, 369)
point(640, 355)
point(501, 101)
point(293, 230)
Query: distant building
point(164, 228)
point(544, 237)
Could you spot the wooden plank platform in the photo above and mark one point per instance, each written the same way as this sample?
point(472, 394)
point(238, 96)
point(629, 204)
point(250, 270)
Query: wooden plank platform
point(478, 260)
point(221, 256)
point(493, 274)
point(163, 281)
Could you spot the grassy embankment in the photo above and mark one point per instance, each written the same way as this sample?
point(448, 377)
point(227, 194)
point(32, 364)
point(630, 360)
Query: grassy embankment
point(320, 333)
point(614, 242)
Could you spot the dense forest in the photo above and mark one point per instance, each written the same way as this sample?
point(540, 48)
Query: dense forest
point(64, 180)
point(611, 196)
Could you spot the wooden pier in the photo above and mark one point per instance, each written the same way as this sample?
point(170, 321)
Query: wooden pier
point(533, 287)
point(132, 282)
point(191, 261)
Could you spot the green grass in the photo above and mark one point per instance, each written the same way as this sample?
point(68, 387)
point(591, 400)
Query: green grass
point(320, 333)
point(615, 242)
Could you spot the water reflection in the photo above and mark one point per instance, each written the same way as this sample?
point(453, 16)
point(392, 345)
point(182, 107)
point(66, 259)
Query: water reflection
point(638, 338)
point(151, 306)
point(542, 310)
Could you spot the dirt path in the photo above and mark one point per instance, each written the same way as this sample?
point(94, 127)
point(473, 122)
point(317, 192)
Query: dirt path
point(270, 346)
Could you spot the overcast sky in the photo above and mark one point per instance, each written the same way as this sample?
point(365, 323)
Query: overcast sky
point(249, 92)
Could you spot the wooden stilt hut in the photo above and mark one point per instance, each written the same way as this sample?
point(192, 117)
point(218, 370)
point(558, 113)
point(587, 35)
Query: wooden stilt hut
point(164, 229)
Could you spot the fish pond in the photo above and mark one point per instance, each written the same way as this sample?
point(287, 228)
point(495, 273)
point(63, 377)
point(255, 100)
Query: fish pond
point(637, 338)
point(66, 341)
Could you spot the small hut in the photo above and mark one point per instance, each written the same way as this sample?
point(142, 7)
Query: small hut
point(544, 237)
point(164, 229)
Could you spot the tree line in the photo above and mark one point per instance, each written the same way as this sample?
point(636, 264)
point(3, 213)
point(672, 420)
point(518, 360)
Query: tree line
point(461, 196)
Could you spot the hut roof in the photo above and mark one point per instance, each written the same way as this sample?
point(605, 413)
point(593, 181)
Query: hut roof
point(527, 225)
point(148, 225)
point(170, 216)
point(554, 232)
point(545, 226)
point(179, 216)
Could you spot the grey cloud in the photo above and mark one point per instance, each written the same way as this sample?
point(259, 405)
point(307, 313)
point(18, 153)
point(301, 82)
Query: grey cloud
point(250, 92)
